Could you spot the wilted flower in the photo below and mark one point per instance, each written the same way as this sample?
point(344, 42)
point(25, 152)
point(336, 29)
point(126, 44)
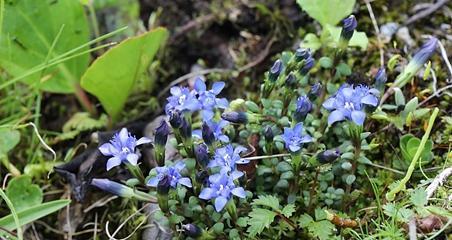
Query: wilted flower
point(221, 188)
point(328, 156)
point(304, 106)
point(226, 158)
point(161, 134)
point(348, 27)
point(174, 174)
point(349, 103)
point(182, 100)
point(112, 187)
point(294, 138)
point(308, 64)
point(275, 70)
point(315, 91)
point(175, 119)
point(121, 148)
point(421, 57)
point(208, 98)
point(192, 230)
point(380, 79)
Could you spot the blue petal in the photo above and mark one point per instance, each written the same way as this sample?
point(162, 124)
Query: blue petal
point(294, 148)
point(306, 139)
point(179, 166)
point(223, 138)
point(335, 116)
point(298, 129)
point(197, 133)
point(123, 135)
point(200, 86)
point(185, 181)
point(132, 158)
point(207, 193)
point(153, 182)
point(236, 174)
point(348, 92)
point(113, 162)
point(176, 91)
point(222, 103)
point(106, 149)
point(370, 100)
point(329, 104)
point(220, 202)
point(143, 140)
point(217, 87)
point(358, 117)
point(239, 192)
point(207, 115)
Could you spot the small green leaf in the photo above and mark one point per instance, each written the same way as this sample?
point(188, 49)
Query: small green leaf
point(9, 138)
point(288, 210)
point(311, 41)
point(419, 197)
point(393, 61)
point(23, 194)
point(268, 201)
point(399, 98)
point(242, 221)
point(359, 39)
point(320, 214)
point(326, 62)
point(350, 179)
point(33, 213)
point(411, 105)
point(112, 76)
point(327, 11)
point(322, 230)
point(305, 220)
point(259, 220)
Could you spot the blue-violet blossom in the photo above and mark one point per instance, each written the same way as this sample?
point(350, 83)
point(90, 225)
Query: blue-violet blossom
point(173, 173)
point(221, 188)
point(294, 138)
point(121, 148)
point(349, 103)
point(226, 158)
point(182, 100)
point(217, 129)
point(208, 98)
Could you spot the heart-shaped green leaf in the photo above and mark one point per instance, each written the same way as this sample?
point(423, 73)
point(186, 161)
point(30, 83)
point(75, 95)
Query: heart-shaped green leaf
point(9, 138)
point(30, 28)
point(23, 194)
point(112, 76)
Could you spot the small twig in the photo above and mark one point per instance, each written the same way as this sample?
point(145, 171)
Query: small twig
point(261, 56)
point(190, 75)
point(437, 93)
point(426, 12)
point(438, 181)
point(267, 156)
point(377, 31)
point(386, 168)
point(99, 203)
point(111, 236)
point(445, 58)
point(412, 229)
point(192, 24)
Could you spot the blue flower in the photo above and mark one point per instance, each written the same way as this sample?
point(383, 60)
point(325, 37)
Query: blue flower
point(423, 54)
point(221, 188)
point(112, 187)
point(217, 129)
point(294, 138)
point(182, 100)
point(121, 148)
point(349, 103)
point(173, 173)
point(348, 28)
point(226, 158)
point(304, 106)
point(208, 98)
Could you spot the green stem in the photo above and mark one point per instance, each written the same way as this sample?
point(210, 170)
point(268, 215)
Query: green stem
point(14, 213)
point(390, 196)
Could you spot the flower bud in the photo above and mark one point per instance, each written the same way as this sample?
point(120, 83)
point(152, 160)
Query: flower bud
point(348, 27)
point(275, 70)
point(422, 55)
point(164, 185)
point(380, 79)
point(185, 129)
point(201, 176)
point(291, 80)
point(235, 117)
point(161, 134)
point(175, 119)
point(112, 187)
point(207, 134)
point(308, 64)
point(201, 154)
point(315, 91)
point(304, 106)
point(328, 156)
point(192, 230)
point(302, 54)
point(268, 134)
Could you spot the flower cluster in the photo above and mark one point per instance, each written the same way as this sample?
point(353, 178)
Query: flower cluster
point(349, 103)
point(221, 188)
point(173, 173)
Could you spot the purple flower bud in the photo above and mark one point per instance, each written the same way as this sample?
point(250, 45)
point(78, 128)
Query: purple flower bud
point(161, 134)
point(268, 134)
point(207, 134)
point(175, 119)
point(302, 54)
point(235, 117)
point(185, 129)
point(315, 91)
point(422, 55)
point(201, 176)
point(380, 79)
point(202, 154)
point(164, 185)
point(112, 187)
point(304, 106)
point(291, 80)
point(275, 70)
point(308, 64)
point(328, 156)
point(348, 27)
point(192, 230)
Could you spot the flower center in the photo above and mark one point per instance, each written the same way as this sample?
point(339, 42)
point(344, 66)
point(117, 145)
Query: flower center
point(349, 105)
point(125, 150)
point(182, 99)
